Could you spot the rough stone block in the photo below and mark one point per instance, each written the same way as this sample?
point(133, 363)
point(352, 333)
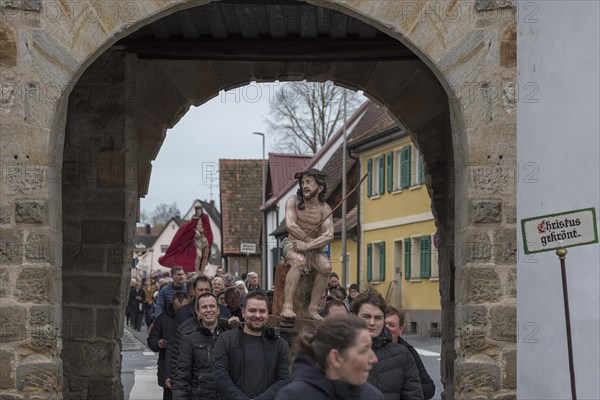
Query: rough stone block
point(37, 248)
point(5, 214)
point(103, 232)
point(11, 246)
point(474, 315)
point(8, 46)
point(4, 283)
point(508, 47)
point(117, 262)
point(35, 285)
point(44, 338)
point(510, 213)
point(486, 211)
point(476, 377)
point(108, 322)
point(488, 5)
point(31, 211)
point(492, 179)
point(12, 323)
point(7, 374)
point(92, 290)
point(106, 388)
point(503, 324)
point(91, 359)
point(509, 373)
point(510, 288)
point(505, 246)
point(111, 169)
point(42, 315)
point(473, 339)
point(90, 258)
point(482, 284)
point(78, 323)
point(480, 247)
point(39, 377)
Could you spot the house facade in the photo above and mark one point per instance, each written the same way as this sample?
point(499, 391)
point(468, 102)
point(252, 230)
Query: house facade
point(397, 229)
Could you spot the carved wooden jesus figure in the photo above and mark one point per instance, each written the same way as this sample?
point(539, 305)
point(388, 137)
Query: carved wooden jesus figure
point(305, 212)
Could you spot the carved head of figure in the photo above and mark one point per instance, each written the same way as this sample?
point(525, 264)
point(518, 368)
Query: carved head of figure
point(199, 209)
point(311, 183)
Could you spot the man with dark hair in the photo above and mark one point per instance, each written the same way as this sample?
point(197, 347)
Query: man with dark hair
point(394, 322)
point(395, 372)
point(251, 362)
point(192, 372)
point(309, 224)
point(160, 336)
point(232, 298)
point(165, 296)
point(334, 307)
point(187, 316)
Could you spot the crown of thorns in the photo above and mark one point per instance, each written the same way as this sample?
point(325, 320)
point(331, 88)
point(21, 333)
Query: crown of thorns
point(311, 172)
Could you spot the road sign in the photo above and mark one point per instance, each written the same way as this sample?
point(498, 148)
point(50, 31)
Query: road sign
point(566, 229)
point(248, 248)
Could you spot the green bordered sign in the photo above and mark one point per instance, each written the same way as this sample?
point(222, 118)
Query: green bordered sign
point(566, 229)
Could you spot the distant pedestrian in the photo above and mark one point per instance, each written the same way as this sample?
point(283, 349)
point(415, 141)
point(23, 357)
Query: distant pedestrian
point(334, 363)
point(394, 321)
point(160, 336)
point(352, 293)
point(166, 292)
point(136, 297)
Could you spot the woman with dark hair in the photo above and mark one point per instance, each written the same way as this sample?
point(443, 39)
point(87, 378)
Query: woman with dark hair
point(334, 363)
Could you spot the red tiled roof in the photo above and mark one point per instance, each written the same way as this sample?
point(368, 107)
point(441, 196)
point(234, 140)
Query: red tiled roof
point(240, 184)
point(375, 120)
point(332, 140)
point(282, 168)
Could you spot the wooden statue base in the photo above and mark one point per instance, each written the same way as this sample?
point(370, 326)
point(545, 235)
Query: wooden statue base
point(291, 329)
point(302, 295)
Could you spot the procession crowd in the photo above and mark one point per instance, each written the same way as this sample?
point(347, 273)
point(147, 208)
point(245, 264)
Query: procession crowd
point(213, 341)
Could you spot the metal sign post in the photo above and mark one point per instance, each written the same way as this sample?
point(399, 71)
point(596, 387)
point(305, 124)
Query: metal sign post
point(561, 252)
point(557, 232)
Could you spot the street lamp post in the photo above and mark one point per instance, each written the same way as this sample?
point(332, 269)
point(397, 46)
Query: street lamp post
point(264, 247)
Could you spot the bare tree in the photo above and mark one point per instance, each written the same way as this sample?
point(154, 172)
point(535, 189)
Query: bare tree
point(304, 115)
point(161, 214)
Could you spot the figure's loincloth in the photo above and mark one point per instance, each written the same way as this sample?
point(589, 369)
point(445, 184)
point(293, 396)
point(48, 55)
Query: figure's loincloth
point(288, 244)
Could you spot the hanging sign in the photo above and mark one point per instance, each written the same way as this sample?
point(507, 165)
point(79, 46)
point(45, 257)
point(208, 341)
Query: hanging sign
point(566, 229)
point(248, 248)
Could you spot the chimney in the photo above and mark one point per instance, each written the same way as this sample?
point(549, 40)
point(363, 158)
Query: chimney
point(148, 229)
point(212, 203)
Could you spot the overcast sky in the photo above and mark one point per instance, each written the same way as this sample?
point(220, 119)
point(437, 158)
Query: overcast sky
point(220, 128)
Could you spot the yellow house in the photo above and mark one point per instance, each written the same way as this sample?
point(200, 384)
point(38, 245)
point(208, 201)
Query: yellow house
point(398, 255)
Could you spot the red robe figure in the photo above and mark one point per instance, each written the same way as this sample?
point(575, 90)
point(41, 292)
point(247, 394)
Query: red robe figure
point(190, 248)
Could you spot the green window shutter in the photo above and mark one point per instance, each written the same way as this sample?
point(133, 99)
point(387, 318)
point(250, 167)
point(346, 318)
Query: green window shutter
point(369, 262)
point(421, 176)
point(406, 258)
point(425, 256)
point(405, 166)
point(369, 177)
point(390, 172)
point(381, 174)
point(382, 261)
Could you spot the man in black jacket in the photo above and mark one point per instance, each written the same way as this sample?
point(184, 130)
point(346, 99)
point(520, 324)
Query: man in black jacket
point(161, 334)
point(251, 362)
point(192, 372)
point(394, 321)
point(395, 372)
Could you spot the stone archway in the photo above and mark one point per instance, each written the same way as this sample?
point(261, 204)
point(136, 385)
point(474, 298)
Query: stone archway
point(457, 99)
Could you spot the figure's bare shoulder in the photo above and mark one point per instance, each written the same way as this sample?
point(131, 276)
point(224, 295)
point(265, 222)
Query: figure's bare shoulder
point(326, 210)
point(291, 201)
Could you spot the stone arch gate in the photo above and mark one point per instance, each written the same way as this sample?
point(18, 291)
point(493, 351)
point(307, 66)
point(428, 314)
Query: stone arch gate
point(85, 110)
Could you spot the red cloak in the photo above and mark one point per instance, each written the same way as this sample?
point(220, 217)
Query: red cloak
point(182, 250)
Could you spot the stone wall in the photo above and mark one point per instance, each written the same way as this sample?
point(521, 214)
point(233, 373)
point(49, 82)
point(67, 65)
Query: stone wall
point(66, 225)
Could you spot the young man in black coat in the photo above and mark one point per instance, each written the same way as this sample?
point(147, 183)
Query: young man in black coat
point(251, 362)
point(161, 334)
point(394, 321)
point(192, 371)
point(395, 372)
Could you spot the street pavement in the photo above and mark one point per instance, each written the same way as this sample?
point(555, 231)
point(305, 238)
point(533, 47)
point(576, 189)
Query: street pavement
point(138, 372)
